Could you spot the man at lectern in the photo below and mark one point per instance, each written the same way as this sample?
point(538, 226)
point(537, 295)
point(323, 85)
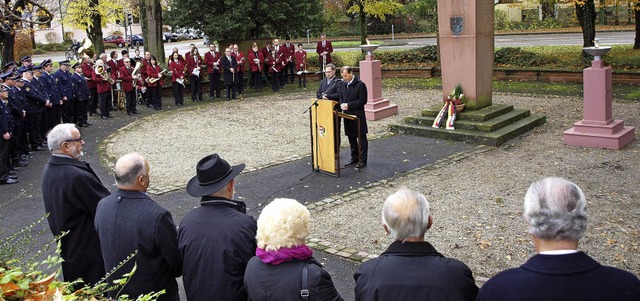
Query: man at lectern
point(352, 100)
point(330, 86)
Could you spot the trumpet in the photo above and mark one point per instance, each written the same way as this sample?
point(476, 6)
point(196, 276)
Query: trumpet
point(152, 80)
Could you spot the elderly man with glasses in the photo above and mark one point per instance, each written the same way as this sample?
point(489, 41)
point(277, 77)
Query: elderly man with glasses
point(71, 191)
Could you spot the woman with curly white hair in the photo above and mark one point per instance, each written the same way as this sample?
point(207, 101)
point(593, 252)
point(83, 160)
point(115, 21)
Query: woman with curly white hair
point(284, 268)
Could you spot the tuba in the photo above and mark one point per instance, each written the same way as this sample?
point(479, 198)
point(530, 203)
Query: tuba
point(85, 45)
point(101, 70)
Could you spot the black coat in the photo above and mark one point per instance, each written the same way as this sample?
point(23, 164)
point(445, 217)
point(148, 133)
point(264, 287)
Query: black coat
point(562, 277)
point(36, 99)
point(51, 88)
point(330, 88)
point(81, 90)
point(414, 271)
point(71, 192)
point(283, 282)
point(216, 241)
point(6, 120)
point(228, 77)
point(64, 83)
point(129, 220)
point(355, 95)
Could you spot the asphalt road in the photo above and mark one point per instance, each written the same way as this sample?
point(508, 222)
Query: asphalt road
point(545, 39)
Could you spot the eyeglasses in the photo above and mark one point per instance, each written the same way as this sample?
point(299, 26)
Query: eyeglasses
point(74, 140)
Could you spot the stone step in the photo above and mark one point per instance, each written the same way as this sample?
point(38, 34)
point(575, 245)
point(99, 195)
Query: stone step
point(483, 114)
point(495, 138)
point(465, 124)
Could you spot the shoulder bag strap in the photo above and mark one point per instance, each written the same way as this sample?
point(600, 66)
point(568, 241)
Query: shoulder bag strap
point(304, 292)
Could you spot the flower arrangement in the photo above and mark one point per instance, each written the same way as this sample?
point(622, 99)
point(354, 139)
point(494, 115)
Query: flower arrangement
point(457, 97)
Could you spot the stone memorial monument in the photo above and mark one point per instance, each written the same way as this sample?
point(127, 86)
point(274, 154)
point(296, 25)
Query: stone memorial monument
point(598, 128)
point(377, 107)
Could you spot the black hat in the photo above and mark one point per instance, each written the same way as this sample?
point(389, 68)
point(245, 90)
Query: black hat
point(212, 174)
point(23, 69)
point(65, 62)
point(46, 62)
point(16, 75)
point(9, 64)
point(39, 67)
point(4, 89)
point(76, 65)
point(25, 58)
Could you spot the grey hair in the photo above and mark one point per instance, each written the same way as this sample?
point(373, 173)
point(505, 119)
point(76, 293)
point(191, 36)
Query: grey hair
point(555, 209)
point(406, 214)
point(128, 168)
point(330, 65)
point(58, 135)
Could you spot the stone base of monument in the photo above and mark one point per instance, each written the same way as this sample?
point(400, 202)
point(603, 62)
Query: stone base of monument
point(492, 125)
point(614, 135)
point(380, 108)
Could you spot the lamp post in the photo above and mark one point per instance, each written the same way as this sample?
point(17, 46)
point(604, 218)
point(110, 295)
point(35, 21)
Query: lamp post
point(61, 24)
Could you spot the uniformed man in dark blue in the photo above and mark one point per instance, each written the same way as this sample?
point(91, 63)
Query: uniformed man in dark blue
point(54, 114)
point(26, 61)
point(10, 66)
point(5, 138)
point(37, 102)
point(21, 138)
point(65, 85)
point(83, 94)
point(18, 115)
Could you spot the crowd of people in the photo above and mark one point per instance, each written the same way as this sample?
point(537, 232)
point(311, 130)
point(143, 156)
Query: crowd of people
point(222, 253)
point(35, 98)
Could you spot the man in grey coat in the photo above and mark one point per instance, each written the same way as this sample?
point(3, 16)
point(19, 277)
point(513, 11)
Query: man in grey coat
point(129, 221)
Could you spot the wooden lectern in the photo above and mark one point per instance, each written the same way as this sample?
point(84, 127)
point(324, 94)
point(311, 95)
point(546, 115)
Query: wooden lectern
point(325, 136)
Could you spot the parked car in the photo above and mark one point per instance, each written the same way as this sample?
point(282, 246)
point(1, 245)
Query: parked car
point(169, 37)
point(189, 34)
point(115, 40)
point(135, 40)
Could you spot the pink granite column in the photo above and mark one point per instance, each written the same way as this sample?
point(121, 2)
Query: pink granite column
point(377, 107)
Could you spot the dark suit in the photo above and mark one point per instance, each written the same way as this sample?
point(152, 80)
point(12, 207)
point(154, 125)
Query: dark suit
point(5, 127)
point(71, 192)
point(414, 271)
point(36, 104)
point(83, 95)
point(216, 241)
point(54, 113)
point(230, 79)
point(18, 105)
point(65, 85)
point(354, 94)
point(562, 277)
point(127, 221)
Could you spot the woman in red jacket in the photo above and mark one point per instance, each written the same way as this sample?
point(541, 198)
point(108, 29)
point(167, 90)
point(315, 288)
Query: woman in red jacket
point(176, 66)
point(193, 67)
point(275, 67)
point(256, 59)
point(154, 83)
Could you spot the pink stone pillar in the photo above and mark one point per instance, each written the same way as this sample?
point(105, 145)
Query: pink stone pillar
point(598, 128)
point(377, 107)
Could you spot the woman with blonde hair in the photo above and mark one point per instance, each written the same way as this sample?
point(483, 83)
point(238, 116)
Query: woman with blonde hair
point(284, 268)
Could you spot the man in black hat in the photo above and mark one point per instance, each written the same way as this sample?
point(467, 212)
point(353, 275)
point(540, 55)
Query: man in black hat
point(65, 84)
point(218, 238)
point(10, 66)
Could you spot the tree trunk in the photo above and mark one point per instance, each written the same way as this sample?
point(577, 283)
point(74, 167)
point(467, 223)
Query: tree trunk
point(587, 18)
point(151, 19)
point(94, 33)
point(363, 24)
point(8, 41)
point(636, 44)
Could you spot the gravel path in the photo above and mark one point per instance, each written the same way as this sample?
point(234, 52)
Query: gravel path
point(476, 202)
